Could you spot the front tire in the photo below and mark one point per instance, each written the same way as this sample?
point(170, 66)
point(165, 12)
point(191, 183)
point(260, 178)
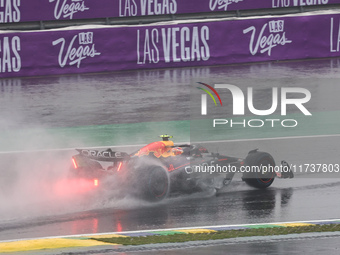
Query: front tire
point(260, 179)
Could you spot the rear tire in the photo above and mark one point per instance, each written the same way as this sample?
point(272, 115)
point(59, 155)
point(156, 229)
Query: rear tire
point(155, 183)
point(259, 179)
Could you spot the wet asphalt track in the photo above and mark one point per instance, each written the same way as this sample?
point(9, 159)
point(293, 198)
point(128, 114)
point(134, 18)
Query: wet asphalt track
point(96, 100)
point(307, 197)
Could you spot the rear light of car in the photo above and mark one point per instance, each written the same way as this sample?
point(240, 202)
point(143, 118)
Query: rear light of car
point(95, 182)
point(74, 163)
point(119, 166)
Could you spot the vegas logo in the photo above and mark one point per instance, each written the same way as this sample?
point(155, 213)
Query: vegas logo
point(266, 43)
point(74, 55)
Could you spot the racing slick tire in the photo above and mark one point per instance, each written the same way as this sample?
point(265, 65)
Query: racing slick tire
point(155, 183)
point(259, 179)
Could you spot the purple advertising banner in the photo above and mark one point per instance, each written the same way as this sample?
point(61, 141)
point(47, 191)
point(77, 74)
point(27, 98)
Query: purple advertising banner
point(42, 10)
point(166, 46)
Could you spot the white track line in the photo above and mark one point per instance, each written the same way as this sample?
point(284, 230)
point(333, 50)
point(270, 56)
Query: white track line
point(202, 142)
point(273, 138)
point(172, 229)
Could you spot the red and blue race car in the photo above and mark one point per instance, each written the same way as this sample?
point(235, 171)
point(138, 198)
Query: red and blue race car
point(162, 168)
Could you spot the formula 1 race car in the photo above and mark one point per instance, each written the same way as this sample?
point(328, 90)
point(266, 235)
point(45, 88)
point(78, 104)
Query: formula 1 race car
point(161, 168)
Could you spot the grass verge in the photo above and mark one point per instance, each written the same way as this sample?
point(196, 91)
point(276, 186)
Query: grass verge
point(183, 237)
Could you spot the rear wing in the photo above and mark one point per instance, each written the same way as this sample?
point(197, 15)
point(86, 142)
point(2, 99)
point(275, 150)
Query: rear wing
point(106, 155)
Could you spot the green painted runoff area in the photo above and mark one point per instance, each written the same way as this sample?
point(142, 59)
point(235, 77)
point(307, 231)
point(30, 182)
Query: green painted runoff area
point(320, 123)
